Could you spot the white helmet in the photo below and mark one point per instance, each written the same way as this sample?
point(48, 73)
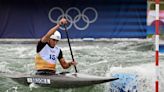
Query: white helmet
point(56, 36)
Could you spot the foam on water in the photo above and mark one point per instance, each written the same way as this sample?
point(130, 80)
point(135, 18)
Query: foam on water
point(104, 58)
point(144, 74)
point(4, 68)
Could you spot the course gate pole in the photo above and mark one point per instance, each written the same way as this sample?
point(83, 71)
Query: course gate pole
point(157, 45)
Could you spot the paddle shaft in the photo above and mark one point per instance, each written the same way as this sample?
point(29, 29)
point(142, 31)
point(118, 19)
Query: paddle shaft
point(70, 46)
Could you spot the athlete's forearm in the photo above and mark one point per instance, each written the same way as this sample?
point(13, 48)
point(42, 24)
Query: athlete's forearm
point(52, 30)
point(49, 33)
point(64, 64)
point(46, 37)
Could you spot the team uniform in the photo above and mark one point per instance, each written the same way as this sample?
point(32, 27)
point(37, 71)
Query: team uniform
point(46, 58)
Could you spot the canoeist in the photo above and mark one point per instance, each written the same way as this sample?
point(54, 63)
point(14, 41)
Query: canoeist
point(48, 53)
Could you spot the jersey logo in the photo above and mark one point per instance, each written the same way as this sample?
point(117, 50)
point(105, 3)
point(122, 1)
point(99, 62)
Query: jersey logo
point(53, 51)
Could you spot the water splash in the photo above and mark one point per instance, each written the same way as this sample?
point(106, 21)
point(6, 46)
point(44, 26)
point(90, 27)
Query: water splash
point(33, 85)
point(141, 75)
point(12, 89)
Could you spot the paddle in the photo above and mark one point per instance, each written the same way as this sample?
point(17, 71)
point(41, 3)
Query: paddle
point(70, 46)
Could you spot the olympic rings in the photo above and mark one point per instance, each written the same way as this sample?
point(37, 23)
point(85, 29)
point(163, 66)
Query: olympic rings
point(73, 20)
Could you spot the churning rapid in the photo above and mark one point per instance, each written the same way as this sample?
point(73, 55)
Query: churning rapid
point(101, 57)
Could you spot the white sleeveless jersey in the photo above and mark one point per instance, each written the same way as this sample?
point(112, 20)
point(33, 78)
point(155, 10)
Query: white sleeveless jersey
point(50, 54)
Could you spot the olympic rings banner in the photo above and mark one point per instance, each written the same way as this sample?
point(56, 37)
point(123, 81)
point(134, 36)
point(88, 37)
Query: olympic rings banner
point(87, 18)
point(74, 19)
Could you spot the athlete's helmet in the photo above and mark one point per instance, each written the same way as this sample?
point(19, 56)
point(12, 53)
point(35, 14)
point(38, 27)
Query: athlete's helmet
point(56, 36)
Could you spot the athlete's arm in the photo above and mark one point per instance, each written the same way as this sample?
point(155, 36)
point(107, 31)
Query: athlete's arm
point(46, 37)
point(40, 46)
point(63, 63)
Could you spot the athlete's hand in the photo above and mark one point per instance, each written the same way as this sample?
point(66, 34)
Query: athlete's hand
point(73, 63)
point(63, 21)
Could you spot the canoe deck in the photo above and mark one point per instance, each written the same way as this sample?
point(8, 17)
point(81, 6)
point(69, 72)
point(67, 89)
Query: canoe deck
point(68, 80)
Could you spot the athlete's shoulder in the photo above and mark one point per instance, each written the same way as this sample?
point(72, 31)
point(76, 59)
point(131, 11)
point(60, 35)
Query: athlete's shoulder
point(42, 43)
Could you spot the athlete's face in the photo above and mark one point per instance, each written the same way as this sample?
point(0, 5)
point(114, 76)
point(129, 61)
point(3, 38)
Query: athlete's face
point(53, 42)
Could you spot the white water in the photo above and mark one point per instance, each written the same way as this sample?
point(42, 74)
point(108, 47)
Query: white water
point(103, 58)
